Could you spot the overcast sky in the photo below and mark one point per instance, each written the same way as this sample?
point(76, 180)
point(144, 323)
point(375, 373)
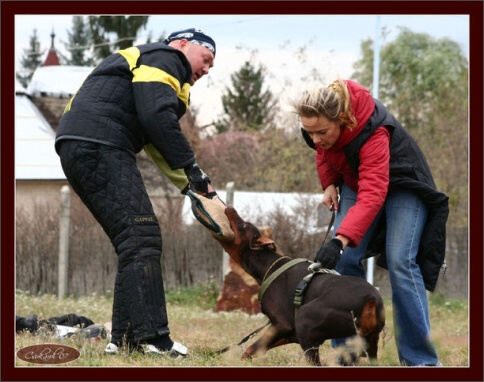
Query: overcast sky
point(332, 44)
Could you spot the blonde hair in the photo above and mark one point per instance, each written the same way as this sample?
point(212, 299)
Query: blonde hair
point(332, 102)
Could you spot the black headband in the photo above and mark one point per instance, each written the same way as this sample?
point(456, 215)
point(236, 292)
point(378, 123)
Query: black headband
point(193, 35)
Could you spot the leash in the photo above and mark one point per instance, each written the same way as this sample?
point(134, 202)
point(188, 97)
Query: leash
point(262, 289)
point(330, 225)
point(314, 268)
point(245, 339)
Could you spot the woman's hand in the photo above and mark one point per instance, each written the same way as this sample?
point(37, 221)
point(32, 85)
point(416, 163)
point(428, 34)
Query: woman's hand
point(330, 198)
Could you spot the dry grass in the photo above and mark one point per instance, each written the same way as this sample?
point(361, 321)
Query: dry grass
point(194, 323)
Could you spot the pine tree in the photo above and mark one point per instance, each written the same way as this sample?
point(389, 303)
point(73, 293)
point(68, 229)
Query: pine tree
point(79, 43)
point(30, 61)
point(247, 107)
point(125, 29)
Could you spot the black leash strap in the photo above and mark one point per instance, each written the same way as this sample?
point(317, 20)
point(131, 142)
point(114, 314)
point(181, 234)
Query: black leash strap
point(330, 225)
point(245, 339)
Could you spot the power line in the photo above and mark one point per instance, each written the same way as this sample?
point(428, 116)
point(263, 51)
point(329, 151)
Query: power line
point(84, 47)
point(100, 44)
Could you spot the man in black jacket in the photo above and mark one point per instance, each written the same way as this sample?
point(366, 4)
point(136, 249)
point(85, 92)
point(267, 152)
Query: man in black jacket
point(132, 101)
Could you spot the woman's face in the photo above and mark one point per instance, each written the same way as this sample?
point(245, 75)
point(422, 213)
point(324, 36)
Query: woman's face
point(322, 131)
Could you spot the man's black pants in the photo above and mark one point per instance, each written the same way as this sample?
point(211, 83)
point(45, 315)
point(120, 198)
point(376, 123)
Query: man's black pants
point(109, 183)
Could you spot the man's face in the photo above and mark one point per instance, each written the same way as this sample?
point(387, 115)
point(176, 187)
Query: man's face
point(201, 60)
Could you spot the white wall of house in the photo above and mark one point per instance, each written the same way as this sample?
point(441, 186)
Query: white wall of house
point(30, 193)
point(38, 172)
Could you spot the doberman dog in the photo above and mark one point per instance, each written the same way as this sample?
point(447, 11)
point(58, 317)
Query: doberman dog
point(334, 306)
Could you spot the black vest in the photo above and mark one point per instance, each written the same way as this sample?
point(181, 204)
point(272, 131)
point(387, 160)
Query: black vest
point(408, 170)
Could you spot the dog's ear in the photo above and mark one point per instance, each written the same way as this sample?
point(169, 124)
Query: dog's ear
point(263, 243)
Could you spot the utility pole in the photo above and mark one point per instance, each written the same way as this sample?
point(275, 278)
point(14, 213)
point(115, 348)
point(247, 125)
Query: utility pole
point(376, 78)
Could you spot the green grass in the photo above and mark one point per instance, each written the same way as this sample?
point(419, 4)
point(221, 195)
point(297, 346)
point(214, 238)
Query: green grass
point(194, 322)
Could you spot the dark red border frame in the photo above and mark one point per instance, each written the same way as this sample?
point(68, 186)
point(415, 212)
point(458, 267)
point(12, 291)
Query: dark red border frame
point(8, 10)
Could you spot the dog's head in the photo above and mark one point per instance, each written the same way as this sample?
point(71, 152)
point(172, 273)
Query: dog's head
point(247, 237)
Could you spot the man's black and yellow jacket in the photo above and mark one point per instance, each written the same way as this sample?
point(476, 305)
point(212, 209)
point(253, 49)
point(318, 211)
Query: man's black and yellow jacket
point(133, 100)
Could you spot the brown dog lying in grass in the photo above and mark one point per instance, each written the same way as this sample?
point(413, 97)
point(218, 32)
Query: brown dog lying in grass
point(334, 306)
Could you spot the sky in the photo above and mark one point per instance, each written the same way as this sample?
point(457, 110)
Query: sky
point(331, 44)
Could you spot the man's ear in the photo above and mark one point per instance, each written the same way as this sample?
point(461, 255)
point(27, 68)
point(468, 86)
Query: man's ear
point(183, 43)
point(179, 44)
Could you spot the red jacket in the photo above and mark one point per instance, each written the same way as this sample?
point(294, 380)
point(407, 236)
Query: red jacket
point(372, 183)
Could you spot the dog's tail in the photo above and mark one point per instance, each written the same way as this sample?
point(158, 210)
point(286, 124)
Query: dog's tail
point(370, 324)
point(368, 319)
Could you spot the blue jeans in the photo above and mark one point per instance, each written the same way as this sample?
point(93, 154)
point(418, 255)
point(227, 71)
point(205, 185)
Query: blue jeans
point(405, 215)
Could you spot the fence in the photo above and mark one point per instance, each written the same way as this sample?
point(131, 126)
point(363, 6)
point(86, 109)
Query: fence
point(190, 255)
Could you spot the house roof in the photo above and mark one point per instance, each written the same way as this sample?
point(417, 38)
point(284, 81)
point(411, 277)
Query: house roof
point(57, 80)
point(35, 157)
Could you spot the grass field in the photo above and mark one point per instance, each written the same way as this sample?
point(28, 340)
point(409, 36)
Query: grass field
point(194, 323)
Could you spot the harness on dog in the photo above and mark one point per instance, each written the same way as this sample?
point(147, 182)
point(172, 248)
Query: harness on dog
point(300, 289)
point(266, 282)
point(303, 284)
point(315, 268)
point(299, 293)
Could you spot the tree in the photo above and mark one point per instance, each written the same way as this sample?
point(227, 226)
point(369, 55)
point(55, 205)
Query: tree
point(230, 157)
point(30, 61)
point(247, 107)
point(424, 83)
point(417, 73)
point(125, 29)
point(271, 161)
point(286, 163)
point(79, 43)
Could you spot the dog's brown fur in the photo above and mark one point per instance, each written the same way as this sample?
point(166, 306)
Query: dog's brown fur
point(334, 306)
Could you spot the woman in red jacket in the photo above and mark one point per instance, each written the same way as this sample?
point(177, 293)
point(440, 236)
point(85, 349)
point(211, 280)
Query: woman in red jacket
point(377, 179)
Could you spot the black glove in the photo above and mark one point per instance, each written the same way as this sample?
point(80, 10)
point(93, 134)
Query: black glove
point(329, 254)
point(198, 180)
